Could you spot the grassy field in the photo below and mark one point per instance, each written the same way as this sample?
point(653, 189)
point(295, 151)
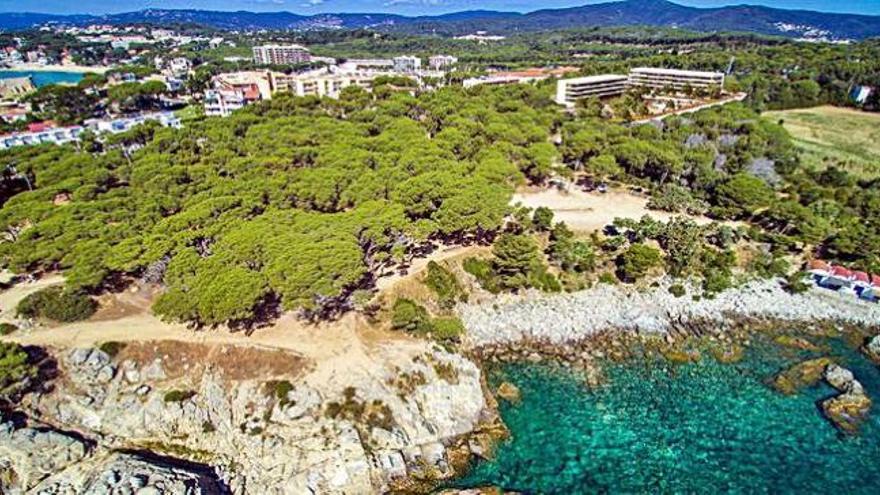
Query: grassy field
point(844, 137)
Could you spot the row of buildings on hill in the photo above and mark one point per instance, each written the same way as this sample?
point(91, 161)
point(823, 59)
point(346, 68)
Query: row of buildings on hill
point(232, 91)
point(569, 91)
point(291, 54)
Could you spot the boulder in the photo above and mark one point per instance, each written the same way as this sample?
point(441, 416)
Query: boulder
point(801, 375)
point(509, 392)
point(872, 349)
point(847, 411)
point(796, 343)
point(839, 377)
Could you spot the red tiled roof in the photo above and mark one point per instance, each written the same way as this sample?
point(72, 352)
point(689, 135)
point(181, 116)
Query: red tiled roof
point(820, 265)
point(839, 271)
point(861, 277)
point(41, 126)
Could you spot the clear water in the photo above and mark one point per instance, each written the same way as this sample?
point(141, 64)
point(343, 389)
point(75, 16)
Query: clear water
point(697, 428)
point(44, 78)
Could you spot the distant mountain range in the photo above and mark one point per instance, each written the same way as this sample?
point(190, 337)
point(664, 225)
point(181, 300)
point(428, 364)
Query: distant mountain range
point(660, 13)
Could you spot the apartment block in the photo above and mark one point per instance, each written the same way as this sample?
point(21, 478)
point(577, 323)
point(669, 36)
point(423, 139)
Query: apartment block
point(320, 83)
point(439, 62)
point(568, 91)
point(649, 77)
point(281, 54)
point(407, 64)
point(222, 102)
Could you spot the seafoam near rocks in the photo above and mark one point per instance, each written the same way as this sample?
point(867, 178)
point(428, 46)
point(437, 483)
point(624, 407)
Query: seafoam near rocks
point(574, 317)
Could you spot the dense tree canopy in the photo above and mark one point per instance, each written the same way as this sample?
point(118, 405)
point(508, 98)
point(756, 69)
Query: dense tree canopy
point(296, 201)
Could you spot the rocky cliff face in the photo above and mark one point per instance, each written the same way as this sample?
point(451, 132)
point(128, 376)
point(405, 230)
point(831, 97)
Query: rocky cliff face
point(237, 435)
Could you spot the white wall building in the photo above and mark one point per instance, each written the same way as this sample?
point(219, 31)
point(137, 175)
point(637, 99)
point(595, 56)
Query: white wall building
point(407, 64)
point(222, 102)
point(675, 79)
point(64, 135)
point(321, 83)
point(568, 91)
point(439, 62)
point(281, 54)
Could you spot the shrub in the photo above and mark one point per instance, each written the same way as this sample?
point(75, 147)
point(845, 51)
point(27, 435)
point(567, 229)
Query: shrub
point(444, 285)
point(542, 219)
point(543, 280)
point(482, 270)
point(607, 278)
point(179, 395)
point(637, 261)
point(677, 290)
point(7, 328)
point(796, 283)
point(16, 371)
point(112, 348)
point(279, 389)
point(57, 304)
point(448, 329)
point(410, 316)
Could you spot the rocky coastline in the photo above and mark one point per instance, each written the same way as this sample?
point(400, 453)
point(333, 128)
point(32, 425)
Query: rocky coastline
point(119, 425)
point(547, 322)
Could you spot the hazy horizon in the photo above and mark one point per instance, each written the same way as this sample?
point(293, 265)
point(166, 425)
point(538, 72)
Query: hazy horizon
point(403, 7)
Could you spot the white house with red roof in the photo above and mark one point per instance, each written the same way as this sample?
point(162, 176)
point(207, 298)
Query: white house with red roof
point(833, 277)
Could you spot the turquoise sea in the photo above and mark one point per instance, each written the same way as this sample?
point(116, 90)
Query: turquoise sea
point(44, 78)
point(697, 428)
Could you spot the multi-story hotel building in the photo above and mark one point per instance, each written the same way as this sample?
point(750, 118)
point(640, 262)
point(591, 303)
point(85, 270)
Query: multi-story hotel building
point(568, 91)
point(649, 77)
point(281, 54)
point(407, 64)
point(321, 83)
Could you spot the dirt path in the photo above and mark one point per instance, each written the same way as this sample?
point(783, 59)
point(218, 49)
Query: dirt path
point(587, 212)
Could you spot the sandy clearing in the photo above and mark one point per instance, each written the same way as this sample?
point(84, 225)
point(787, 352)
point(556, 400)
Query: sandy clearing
point(587, 212)
point(419, 265)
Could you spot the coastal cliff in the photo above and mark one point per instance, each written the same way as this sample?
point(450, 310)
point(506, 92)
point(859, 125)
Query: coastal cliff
point(129, 425)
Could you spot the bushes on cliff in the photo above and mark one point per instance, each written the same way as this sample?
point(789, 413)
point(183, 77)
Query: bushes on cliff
point(410, 316)
point(444, 285)
point(16, 371)
point(56, 303)
point(637, 261)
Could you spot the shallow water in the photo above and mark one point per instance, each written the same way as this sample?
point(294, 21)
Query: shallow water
point(696, 428)
point(42, 78)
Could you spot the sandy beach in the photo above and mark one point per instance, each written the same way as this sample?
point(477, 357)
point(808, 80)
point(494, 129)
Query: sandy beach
point(58, 68)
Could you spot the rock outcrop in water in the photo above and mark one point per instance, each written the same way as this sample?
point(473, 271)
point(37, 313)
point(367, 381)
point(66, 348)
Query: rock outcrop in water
point(849, 409)
point(872, 349)
point(251, 436)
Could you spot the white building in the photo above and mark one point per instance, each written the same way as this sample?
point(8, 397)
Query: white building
point(64, 135)
point(439, 62)
point(115, 126)
point(57, 135)
point(367, 65)
point(407, 64)
point(222, 102)
point(675, 79)
point(281, 54)
point(321, 83)
point(179, 67)
point(568, 91)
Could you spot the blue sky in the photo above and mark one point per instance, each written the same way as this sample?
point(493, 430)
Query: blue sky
point(408, 7)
